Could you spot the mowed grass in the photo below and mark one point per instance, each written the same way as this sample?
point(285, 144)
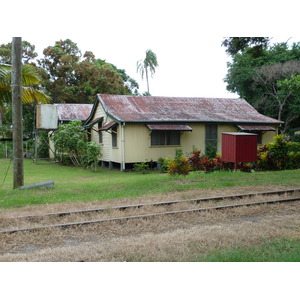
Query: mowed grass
point(75, 184)
point(274, 250)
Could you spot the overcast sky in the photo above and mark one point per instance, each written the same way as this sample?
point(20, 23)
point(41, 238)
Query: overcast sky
point(185, 35)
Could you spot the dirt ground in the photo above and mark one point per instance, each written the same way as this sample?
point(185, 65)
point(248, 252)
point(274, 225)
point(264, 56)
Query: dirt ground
point(165, 238)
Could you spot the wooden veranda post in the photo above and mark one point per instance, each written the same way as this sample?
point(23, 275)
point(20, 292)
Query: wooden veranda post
point(17, 115)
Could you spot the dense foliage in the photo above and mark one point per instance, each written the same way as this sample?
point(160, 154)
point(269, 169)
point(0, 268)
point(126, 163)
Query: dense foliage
point(254, 45)
point(28, 53)
point(69, 78)
point(257, 79)
point(71, 145)
point(281, 154)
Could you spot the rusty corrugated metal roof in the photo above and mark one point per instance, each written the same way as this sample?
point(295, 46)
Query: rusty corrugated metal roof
point(92, 123)
point(256, 128)
point(70, 112)
point(180, 109)
point(108, 126)
point(179, 127)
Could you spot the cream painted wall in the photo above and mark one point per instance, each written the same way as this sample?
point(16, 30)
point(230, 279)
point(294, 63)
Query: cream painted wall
point(268, 137)
point(138, 142)
point(107, 153)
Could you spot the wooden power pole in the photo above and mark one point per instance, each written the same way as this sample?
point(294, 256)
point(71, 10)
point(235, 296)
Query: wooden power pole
point(17, 115)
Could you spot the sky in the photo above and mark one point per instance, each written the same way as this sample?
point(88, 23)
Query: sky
point(185, 35)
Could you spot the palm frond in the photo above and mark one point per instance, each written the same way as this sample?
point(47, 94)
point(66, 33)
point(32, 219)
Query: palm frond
point(140, 68)
point(151, 61)
point(5, 73)
point(30, 76)
point(31, 95)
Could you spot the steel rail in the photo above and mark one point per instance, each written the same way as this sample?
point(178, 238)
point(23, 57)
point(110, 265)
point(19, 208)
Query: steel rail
point(198, 200)
point(151, 215)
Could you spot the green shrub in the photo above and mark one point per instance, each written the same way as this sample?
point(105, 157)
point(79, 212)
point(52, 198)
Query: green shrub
point(295, 138)
point(180, 165)
point(91, 154)
point(70, 141)
point(141, 167)
point(164, 164)
point(280, 154)
point(210, 150)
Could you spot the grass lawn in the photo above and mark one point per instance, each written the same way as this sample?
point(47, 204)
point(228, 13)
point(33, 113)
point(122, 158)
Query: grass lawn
point(274, 250)
point(74, 184)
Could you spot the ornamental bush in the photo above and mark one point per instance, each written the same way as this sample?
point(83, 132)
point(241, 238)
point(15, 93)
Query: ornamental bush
point(203, 162)
point(164, 164)
point(141, 167)
point(281, 154)
point(180, 165)
point(195, 160)
point(71, 145)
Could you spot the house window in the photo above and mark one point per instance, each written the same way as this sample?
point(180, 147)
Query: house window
point(211, 138)
point(165, 138)
point(114, 135)
point(100, 133)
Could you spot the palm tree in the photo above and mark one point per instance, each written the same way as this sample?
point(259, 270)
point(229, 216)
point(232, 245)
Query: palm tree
point(30, 78)
point(146, 65)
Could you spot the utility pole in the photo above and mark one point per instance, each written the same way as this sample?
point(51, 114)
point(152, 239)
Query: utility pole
point(17, 115)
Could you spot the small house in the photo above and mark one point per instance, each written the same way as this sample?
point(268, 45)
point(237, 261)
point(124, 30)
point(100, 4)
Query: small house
point(134, 129)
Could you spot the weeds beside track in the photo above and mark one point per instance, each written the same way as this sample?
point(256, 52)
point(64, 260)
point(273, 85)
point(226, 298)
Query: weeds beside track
point(37, 222)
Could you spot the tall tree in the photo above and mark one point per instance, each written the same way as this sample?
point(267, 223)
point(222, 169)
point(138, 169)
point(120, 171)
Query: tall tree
point(289, 94)
point(28, 53)
point(255, 78)
point(254, 45)
point(71, 78)
point(96, 76)
point(58, 70)
point(146, 65)
point(272, 98)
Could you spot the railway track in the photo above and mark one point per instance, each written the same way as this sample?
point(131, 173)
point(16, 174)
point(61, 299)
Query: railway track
point(35, 221)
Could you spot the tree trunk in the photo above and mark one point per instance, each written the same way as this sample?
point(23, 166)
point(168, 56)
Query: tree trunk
point(147, 81)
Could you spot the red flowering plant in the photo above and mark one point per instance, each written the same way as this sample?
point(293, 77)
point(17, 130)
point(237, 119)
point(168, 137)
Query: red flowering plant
point(195, 160)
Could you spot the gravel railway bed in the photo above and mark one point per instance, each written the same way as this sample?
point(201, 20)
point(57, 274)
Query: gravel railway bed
point(129, 212)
